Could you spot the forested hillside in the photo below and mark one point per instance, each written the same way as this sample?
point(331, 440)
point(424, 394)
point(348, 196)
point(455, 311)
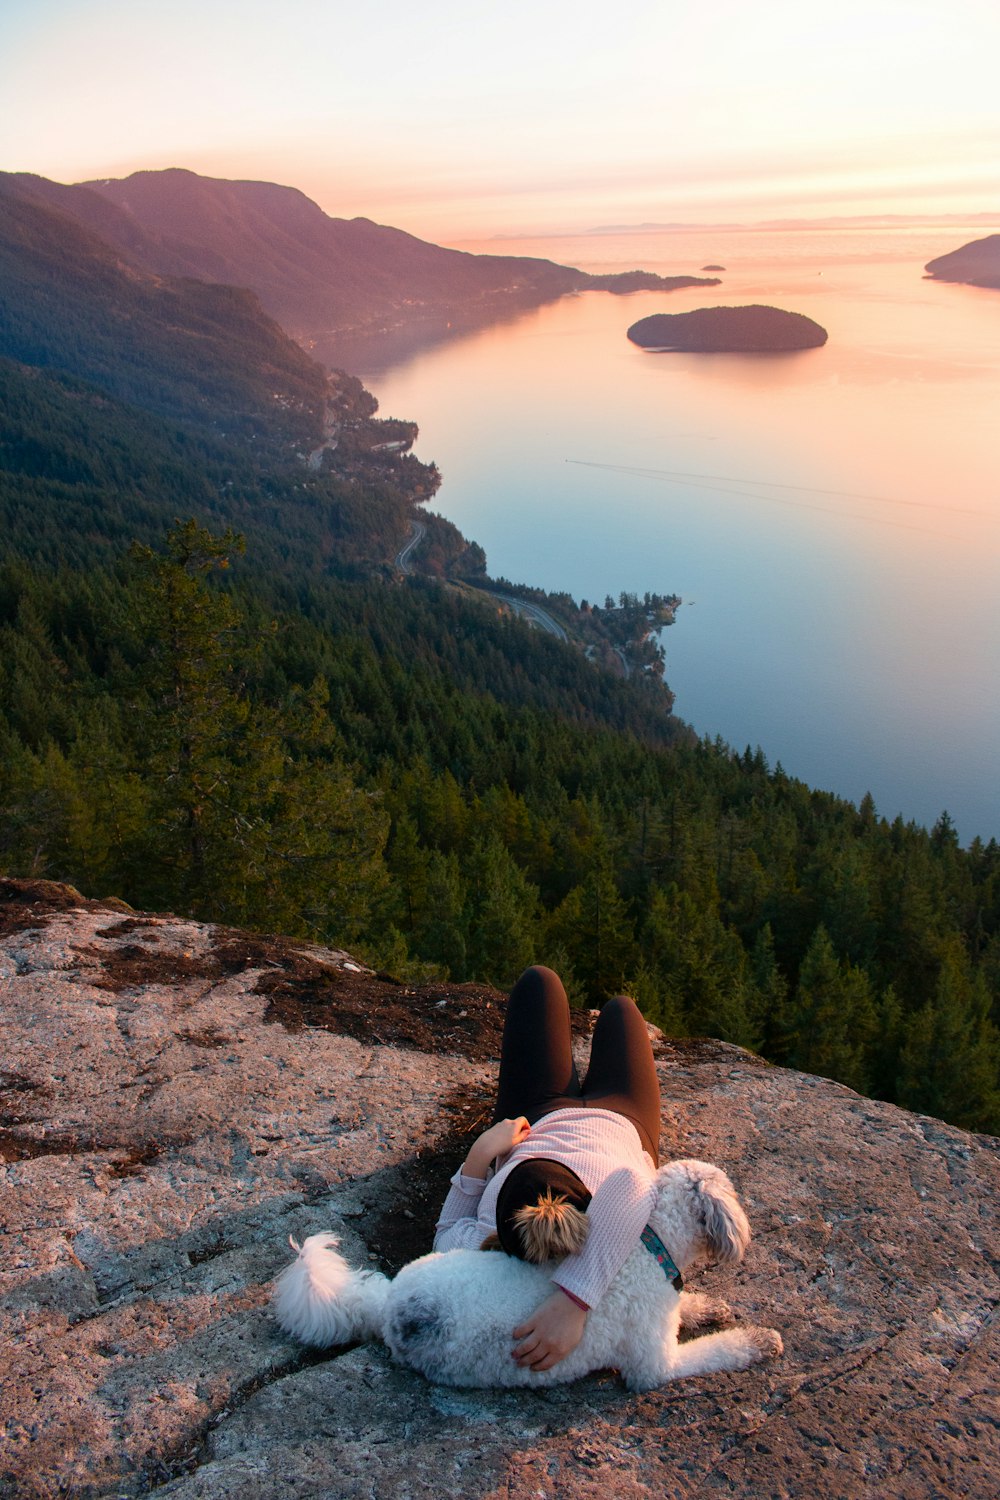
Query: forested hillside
point(180, 349)
point(247, 714)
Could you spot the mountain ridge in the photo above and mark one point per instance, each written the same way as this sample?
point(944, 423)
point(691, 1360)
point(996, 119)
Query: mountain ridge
point(318, 275)
point(179, 347)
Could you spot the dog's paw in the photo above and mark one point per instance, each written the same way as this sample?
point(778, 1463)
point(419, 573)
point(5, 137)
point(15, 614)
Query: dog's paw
point(763, 1343)
point(698, 1312)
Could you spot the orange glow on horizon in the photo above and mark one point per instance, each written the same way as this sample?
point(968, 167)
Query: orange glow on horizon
point(461, 131)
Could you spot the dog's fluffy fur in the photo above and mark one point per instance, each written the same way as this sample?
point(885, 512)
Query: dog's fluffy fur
point(451, 1315)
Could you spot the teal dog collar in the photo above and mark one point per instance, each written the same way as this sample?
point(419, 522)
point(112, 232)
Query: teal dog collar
point(661, 1255)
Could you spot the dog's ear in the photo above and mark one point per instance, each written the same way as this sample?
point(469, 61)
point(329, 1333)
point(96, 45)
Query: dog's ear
point(715, 1208)
point(719, 1210)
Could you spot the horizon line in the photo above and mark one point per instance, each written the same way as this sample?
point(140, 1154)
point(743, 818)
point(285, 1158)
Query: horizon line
point(982, 216)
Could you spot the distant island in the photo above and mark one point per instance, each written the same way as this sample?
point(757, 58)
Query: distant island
point(713, 268)
point(728, 330)
point(974, 264)
point(645, 281)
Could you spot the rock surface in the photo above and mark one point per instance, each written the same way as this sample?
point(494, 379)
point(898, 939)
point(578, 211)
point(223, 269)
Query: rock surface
point(728, 330)
point(974, 264)
point(175, 1099)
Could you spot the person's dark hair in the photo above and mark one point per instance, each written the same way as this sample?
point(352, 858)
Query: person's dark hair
point(541, 1212)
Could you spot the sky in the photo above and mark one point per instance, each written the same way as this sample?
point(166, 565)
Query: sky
point(462, 121)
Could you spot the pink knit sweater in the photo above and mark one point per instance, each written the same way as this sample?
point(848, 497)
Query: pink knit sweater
point(605, 1152)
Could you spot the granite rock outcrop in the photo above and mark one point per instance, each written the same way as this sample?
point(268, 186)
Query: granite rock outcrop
point(176, 1099)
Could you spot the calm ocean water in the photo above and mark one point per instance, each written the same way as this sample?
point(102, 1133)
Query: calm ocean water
point(831, 518)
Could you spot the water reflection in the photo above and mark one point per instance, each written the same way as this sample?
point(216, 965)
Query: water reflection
point(374, 355)
point(835, 515)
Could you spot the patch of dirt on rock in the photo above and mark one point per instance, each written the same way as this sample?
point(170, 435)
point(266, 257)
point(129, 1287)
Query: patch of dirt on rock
point(129, 927)
point(308, 992)
point(17, 1146)
point(30, 903)
point(207, 1037)
point(133, 966)
point(17, 1083)
point(20, 1098)
point(466, 1019)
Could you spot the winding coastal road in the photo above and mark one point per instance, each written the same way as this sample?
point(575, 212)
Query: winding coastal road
point(417, 533)
point(534, 613)
point(315, 459)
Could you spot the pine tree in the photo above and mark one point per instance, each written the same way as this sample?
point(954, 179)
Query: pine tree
point(949, 1064)
point(656, 1000)
point(500, 915)
point(594, 927)
point(884, 1053)
point(846, 902)
point(832, 1018)
point(191, 715)
point(769, 995)
point(408, 863)
point(438, 937)
point(701, 965)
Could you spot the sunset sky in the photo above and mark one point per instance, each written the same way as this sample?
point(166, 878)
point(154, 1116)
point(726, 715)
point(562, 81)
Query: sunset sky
point(461, 121)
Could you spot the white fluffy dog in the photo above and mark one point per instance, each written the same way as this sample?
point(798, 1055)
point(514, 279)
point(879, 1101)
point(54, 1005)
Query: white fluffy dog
point(450, 1316)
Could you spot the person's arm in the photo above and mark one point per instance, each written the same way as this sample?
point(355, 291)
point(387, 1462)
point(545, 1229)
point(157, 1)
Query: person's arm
point(458, 1228)
point(618, 1213)
point(497, 1141)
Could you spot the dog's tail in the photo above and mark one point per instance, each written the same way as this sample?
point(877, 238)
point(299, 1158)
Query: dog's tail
point(319, 1299)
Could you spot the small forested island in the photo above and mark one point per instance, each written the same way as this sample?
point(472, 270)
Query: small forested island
point(713, 268)
point(974, 264)
point(728, 330)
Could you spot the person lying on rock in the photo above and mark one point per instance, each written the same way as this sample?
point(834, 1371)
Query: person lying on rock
point(566, 1171)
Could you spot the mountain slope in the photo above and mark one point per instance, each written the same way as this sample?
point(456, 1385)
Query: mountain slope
point(319, 276)
point(128, 397)
point(179, 348)
point(314, 273)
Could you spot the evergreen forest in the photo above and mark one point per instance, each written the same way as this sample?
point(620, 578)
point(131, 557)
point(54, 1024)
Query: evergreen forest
point(218, 695)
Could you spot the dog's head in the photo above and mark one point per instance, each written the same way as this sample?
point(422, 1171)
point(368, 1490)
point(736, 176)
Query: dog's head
point(698, 1215)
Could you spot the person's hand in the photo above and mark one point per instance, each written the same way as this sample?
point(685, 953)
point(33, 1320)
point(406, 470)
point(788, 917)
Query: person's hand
point(552, 1332)
point(497, 1141)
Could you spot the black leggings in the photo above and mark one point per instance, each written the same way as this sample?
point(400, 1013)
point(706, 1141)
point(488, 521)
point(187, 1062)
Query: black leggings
point(537, 1071)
